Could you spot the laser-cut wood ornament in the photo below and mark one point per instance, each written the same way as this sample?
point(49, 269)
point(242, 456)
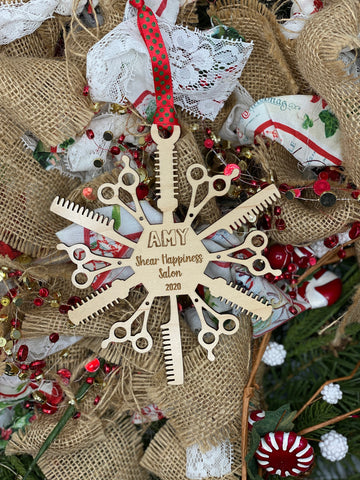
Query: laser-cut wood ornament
point(169, 258)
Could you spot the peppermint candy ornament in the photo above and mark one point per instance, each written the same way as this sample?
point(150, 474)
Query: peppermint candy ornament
point(285, 454)
point(255, 416)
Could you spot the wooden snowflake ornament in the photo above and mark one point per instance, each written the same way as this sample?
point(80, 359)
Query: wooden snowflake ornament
point(170, 258)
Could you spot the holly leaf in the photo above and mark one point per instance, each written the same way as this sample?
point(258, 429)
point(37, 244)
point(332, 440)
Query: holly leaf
point(331, 122)
point(307, 123)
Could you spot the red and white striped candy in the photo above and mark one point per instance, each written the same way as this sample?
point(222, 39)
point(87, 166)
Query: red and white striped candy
point(284, 454)
point(255, 416)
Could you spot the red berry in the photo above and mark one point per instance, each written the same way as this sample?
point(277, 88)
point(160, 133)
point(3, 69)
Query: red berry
point(44, 292)
point(280, 224)
point(22, 354)
point(38, 302)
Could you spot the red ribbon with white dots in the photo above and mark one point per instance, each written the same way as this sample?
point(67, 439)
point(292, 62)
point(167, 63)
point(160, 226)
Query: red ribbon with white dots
point(165, 115)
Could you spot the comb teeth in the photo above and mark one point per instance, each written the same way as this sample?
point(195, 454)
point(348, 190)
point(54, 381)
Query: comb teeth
point(92, 311)
point(255, 210)
point(168, 355)
point(239, 308)
point(63, 204)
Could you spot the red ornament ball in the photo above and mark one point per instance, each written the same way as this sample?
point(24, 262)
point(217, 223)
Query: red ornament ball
point(278, 256)
point(354, 230)
point(331, 242)
point(285, 454)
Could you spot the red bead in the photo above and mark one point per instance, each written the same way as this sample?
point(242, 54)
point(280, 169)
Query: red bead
point(77, 415)
point(312, 261)
point(292, 294)
point(303, 262)
point(37, 364)
point(323, 175)
point(334, 175)
point(115, 150)
point(121, 138)
point(208, 131)
point(285, 454)
point(321, 186)
point(287, 275)
point(342, 253)
point(54, 337)
point(27, 405)
point(284, 187)
point(38, 302)
point(292, 267)
point(13, 292)
point(64, 309)
point(142, 191)
point(92, 366)
point(65, 374)
point(230, 168)
point(22, 353)
point(90, 380)
point(90, 134)
point(74, 301)
point(354, 231)
point(331, 242)
point(48, 409)
point(266, 222)
point(238, 149)
point(44, 292)
point(289, 248)
point(278, 256)
point(292, 310)
point(280, 224)
point(269, 277)
point(96, 400)
point(107, 368)
point(24, 367)
point(86, 90)
point(88, 193)
point(148, 139)
point(208, 143)
point(135, 155)
point(277, 210)
point(140, 128)
point(355, 194)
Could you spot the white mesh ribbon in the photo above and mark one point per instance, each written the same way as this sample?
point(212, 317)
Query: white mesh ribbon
point(216, 462)
point(205, 70)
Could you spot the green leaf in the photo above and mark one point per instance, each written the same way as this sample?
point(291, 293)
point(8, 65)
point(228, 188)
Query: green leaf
point(272, 419)
point(331, 122)
point(308, 123)
point(116, 216)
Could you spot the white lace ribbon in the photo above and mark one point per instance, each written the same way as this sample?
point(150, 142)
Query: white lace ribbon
point(205, 70)
point(216, 462)
point(20, 18)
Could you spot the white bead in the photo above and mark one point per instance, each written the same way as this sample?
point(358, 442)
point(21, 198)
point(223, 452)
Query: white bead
point(331, 393)
point(274, 354)
point(333, 446)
